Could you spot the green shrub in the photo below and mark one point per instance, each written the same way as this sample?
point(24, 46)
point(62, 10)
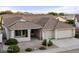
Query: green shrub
point(50, 43)
point(42, 48)
point(13, 49)
point(76, 35)
point(29, 49)
point(11, 41)
point(44, 43)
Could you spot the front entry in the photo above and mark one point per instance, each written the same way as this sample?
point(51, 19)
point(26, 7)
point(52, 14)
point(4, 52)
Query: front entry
point(35, 33)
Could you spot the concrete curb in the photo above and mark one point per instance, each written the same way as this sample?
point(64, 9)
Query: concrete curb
point(55, 50)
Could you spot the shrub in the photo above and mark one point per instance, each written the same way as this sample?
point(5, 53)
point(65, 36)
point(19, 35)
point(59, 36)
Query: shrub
point(13, 49)
point(29, 49)
point(44, 42)
point(50, 43)
point(11, 41)
point(42, 48)
point(76, 35)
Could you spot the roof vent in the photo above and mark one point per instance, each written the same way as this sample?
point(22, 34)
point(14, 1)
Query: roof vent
point(22, 20)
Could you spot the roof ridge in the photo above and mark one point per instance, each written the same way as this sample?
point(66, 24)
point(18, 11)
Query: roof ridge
point(56, 24)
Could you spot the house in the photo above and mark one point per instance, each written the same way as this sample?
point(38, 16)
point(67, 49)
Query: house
point(69, 16)
point(61, 19)
point(77, 21)
point(29, 27)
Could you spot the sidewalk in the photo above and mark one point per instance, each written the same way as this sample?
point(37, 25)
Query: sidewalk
point(56, 50)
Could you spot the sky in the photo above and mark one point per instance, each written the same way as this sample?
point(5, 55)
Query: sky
point(42, 9)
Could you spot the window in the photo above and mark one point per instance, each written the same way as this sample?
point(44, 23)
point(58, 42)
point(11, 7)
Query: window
point(21, 33)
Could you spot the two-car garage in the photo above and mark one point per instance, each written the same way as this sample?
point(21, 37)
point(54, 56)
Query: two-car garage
point(59, 33)
point(64, 33)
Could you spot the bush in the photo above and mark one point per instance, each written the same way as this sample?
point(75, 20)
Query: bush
point(44, 42)
point(13, 49)
point(29, 49)
point(50, 43)
point(42, 48)
point(11, 41)
point(76, 35)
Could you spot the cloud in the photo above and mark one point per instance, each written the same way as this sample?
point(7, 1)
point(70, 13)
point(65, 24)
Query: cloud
point(67, 9)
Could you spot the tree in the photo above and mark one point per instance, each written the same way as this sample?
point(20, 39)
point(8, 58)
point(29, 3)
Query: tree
point(61, 14)
point(53, 13)
point(72, 22)
point(6, 12)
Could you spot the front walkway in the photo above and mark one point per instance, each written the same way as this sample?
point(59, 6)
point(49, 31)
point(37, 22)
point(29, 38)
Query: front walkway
point(30, 44)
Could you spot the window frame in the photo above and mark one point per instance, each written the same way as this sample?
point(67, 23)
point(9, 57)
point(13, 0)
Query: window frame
point(21, 34)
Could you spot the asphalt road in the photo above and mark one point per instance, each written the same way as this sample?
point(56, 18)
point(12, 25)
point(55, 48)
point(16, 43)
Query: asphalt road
point(71, 51)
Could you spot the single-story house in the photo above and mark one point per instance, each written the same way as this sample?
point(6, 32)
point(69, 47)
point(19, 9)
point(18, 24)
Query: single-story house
point(28, 27)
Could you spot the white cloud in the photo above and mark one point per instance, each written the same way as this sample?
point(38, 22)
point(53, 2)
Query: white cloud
point(66, 9)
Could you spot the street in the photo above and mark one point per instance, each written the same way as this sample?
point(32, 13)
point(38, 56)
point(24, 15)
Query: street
point(71, 51)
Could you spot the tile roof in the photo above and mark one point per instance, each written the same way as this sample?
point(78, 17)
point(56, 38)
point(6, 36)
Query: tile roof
point(33, 22)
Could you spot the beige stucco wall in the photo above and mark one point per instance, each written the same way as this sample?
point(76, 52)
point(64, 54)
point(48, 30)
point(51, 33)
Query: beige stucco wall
point(0, 37)
point(61, 19)
point(48, 34)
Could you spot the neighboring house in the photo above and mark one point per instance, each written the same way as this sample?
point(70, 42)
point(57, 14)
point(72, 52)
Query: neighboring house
point(29, 27)
point(69, 16)
point(77, 21)
point(61, 19)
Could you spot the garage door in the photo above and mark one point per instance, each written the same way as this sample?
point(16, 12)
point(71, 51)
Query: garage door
point(64, 33)
point(48, 34)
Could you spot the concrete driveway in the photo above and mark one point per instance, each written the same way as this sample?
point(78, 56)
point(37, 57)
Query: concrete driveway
point(63, 43)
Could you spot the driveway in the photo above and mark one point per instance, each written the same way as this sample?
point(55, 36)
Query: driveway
point(63, 43)
point(71, 51)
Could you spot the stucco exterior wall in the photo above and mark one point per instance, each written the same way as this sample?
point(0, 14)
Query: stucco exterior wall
point(0, 37)
point(6, 32)
point(61, 19)
point(48, 34)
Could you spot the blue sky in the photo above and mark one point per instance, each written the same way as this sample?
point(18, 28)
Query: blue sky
point(42, 9)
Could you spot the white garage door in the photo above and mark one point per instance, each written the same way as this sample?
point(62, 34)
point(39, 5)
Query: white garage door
point(48, 34)
point(64, 33)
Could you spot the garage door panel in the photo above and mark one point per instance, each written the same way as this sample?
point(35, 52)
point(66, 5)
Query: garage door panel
point(64, 34)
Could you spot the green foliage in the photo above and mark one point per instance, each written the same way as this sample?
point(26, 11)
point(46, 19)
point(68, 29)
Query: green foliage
point(42, 48)
point(50, 43)
point(61, 14)
point(6, 12)
point(13, 49)
point(29, 49)
point(11, 41)
point(53, 13)
point(71, 22)
point(44, 42)
point(77, 35)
